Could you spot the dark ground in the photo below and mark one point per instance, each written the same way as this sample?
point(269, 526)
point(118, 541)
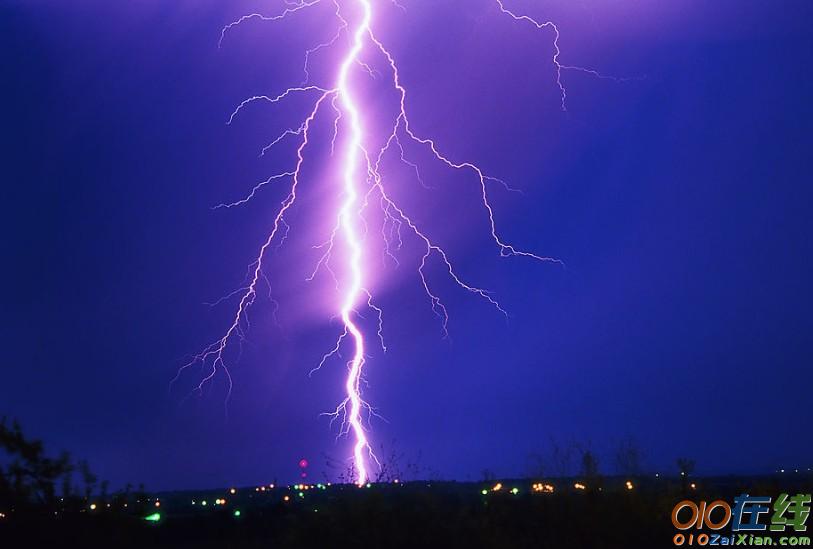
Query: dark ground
point(413, 515)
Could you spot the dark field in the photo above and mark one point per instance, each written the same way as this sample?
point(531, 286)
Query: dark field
point(413, 515)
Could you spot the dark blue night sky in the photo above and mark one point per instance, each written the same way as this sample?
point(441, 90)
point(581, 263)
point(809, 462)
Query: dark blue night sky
point(679, 202)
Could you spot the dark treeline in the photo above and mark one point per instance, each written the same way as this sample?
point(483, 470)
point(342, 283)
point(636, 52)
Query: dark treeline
point(31, 481)
point(565, 501)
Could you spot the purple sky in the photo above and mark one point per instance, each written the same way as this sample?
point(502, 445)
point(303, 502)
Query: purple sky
point(679, 203)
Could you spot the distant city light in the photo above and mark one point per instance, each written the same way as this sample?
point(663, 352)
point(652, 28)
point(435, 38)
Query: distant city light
point(579, 486)
point(233, 491)
point(92, 506)
point(497, 487)
point(629, 485)
point(539, 487)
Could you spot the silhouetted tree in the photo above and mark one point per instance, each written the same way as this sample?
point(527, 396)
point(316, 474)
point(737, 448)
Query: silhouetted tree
point(67, 484)
point(88, 478)
point(590, 470)
point(487, 475)
point(30, 476)
point(686, 468)
point(628, 458)
point(536, 465)
point(562, 458)
point(390, 461)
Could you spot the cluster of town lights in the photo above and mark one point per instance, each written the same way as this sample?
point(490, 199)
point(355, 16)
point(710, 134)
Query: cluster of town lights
point(301, 489)
point(545, 488)
point(540, 487)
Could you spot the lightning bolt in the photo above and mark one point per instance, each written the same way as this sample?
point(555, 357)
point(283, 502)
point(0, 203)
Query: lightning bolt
point(346, 219)
point(363, 187)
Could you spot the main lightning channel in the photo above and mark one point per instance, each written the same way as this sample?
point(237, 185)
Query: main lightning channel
point(351, 161)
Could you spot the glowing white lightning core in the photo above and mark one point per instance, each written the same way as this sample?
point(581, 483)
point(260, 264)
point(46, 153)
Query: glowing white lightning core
point(351, 161)
point(360, 192)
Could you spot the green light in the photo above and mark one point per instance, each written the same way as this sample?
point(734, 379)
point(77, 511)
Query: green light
point(369, 485)
point(203, 503)
point(155, 517)
point(515, 491)
point(237, 513)
point(301, 494)
point(484, 492)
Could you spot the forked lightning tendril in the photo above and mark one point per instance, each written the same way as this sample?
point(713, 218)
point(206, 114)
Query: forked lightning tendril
point(362, 187)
